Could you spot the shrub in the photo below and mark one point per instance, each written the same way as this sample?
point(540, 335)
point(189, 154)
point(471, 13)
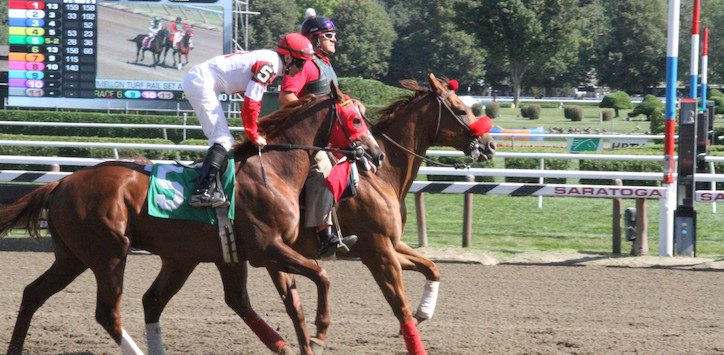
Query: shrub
point(606, 114)
point(573, 113)
point(649, 104)
point(718, 98)
point(657, 121)
point(492, 109)
point(461, 160)
point(477, 109)
point(370, 92)
point(617, 100)
point(530, 111)
point(615, 165)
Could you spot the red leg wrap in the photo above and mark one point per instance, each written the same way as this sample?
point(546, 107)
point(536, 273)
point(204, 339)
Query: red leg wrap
point(412, 338)
point(269, 336)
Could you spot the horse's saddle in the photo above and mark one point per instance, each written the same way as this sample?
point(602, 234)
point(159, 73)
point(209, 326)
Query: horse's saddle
point(171, 186)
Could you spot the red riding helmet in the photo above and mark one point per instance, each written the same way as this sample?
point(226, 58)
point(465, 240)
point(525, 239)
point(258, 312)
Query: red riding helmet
point(296, 45)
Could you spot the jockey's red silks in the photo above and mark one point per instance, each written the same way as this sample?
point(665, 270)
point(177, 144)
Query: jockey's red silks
point(268, 336)
point(412, 338)
point(483, 125)
point(347, 113)
point(337, 180)
point(249, 114)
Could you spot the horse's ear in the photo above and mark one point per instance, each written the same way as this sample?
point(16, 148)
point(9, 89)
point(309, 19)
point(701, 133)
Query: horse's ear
point(335, 91)
point(435, 84)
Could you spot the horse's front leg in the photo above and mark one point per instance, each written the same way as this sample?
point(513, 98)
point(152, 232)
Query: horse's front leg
point(410, 259)
point(287, 288)
point(169, 281)
point(234, 277)
point(281, 257)
point(382, 260)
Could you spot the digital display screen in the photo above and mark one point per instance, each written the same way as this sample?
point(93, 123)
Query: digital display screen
point(110, 54)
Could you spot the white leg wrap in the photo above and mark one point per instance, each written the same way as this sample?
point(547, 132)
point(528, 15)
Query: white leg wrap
point(128, 346)
point(154, 340)
point(429, 300)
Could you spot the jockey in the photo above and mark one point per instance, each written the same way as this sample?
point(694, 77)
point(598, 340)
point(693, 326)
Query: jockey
point(314, 79)
point(247, 72)
point(152, 31)
point(178, 28)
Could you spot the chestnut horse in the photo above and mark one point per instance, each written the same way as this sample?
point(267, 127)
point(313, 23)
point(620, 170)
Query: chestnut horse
point(97, 214)
point(411, 125)
point(183, 47)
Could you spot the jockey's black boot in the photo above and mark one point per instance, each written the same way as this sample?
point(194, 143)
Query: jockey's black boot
point(207, 193)
point(330, 243)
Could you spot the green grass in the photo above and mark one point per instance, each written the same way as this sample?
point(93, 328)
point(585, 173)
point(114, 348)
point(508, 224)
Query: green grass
point(553, 117)
point(505, 226)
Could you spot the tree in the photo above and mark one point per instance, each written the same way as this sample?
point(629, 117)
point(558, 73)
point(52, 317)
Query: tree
point(712, 16)
point(431, 42)
point(631, 56)
point(365, 39)
point(322, 7)
point(523, 33)
point(3, 23)
point(277, 18)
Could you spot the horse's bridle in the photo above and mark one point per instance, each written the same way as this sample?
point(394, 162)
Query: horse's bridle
point(441, 101)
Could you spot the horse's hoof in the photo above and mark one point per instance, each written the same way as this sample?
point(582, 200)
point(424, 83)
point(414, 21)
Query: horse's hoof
point(179, 66)
point(316, 345)
point(286, 351)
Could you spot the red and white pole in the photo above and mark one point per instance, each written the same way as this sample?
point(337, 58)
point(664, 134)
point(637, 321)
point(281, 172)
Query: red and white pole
point(704, 67)
point(694, 68)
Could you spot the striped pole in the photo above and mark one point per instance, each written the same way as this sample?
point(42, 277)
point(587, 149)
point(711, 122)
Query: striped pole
point(704, 67)
point(672, 56)
point(694, 68)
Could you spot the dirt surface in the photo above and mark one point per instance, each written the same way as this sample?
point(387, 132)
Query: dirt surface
point(530, 305)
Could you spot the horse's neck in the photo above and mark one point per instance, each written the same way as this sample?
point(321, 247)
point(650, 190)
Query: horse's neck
point(411, 130)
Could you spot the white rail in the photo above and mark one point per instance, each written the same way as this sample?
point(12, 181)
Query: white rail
point(106, 125)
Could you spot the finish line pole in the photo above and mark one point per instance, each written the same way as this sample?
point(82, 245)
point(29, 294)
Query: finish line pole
point(694, 68)
point(666, 245)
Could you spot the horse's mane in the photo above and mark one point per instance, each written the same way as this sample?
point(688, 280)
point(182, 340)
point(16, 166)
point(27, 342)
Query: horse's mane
point(387, 112)
point(273, 123)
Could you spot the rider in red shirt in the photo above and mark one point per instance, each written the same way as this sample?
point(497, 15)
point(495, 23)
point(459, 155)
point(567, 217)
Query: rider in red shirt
point(314, 78)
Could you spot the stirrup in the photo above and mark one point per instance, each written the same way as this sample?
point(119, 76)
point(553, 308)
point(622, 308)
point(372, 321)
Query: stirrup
point(334, 244)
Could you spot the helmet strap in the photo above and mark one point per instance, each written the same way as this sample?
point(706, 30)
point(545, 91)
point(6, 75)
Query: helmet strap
point(318, 44)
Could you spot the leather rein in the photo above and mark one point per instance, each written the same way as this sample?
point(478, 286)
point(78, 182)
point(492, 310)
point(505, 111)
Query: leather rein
point(441, 101)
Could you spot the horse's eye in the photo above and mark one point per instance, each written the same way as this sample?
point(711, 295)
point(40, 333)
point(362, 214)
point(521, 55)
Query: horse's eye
point(357, 121)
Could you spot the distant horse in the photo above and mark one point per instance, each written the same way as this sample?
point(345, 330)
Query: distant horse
point(183, 47)
point(377, 215)
point(97, 214)
point(158, 43)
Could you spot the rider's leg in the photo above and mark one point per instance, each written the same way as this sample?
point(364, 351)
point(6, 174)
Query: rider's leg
point(319, 202)
point(199, 88)
point(207, 192)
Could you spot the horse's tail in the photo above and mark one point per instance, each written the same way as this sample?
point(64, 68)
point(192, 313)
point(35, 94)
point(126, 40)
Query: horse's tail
point(27, 211)
point(135, 39)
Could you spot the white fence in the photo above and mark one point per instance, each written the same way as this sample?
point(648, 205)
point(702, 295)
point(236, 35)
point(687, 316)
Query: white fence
point(666, 194)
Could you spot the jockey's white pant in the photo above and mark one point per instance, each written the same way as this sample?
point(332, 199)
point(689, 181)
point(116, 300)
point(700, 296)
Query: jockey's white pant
point(203, 95)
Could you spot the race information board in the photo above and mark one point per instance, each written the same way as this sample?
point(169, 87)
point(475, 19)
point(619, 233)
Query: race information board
point(52, 50)
point(110, 54)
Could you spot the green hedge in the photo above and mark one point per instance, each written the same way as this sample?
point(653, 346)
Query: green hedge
point(610, 165)
point(460, 160)
point(371, 92)
point(647, 107)
point(174, 135)
point(103, 153)
point(617, 100)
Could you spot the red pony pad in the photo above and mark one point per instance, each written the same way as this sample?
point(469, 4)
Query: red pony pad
point(347, 113)
point(483, 125)
point(337, 180)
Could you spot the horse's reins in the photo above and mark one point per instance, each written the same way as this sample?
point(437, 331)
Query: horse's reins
point(437, 129)
point(351, 154)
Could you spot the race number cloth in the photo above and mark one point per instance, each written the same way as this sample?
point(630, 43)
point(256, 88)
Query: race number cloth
point(341, 179)
point(171, 186)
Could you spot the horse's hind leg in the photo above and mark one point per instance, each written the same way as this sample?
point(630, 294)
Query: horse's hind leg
point(169, 281)
point(412, 260)
point(234, 278)
point(64, 270)
point(109, 277)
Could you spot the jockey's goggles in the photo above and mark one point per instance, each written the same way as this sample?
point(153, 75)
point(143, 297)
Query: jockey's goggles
point(329, 35)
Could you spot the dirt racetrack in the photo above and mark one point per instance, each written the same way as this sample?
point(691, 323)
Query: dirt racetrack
point(501, 309)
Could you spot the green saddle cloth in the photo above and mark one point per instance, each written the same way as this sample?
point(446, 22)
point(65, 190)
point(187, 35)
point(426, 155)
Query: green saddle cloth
point(171, 186)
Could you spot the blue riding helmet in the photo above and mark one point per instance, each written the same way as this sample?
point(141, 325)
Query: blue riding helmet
point(317, 24)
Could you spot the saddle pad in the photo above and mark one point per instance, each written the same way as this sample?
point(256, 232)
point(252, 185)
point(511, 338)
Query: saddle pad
point(171, 186)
